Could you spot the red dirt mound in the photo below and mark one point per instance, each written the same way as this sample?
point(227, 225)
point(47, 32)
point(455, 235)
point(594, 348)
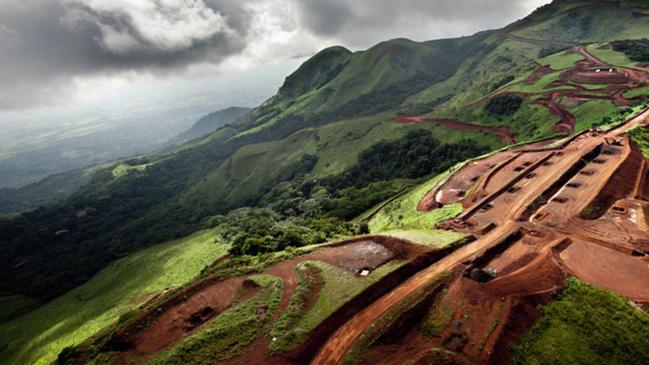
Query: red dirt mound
point(355, 256)
point(461, 182)
point(621, 185)
point(189, 309)
point(175, 323)
point(621, 273)
point(542, 275)
point(597, 76)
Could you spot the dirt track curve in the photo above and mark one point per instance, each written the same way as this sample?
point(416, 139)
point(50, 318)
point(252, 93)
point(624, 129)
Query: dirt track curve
point(526, 197)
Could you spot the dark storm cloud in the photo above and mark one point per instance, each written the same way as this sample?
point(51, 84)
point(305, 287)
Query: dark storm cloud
point(325, 17)
point(46, 43)
point(355, 21)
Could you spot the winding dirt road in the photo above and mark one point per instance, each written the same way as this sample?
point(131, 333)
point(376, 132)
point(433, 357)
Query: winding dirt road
point(503, 208)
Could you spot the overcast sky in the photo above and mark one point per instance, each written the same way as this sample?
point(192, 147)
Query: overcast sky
point(77, 52)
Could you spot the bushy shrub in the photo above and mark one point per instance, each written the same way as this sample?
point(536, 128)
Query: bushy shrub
point(503, 105)
point(254, 231)
point(415, 155)
point(552, 49)
point(502, 82)
point(636, 50)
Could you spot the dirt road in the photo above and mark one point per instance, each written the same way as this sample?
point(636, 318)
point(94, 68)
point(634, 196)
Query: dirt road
point(505, 209)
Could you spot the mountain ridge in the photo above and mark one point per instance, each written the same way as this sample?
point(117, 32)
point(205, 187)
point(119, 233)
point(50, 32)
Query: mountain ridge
point(286, 172)
point(159, 200)
point(210, 123)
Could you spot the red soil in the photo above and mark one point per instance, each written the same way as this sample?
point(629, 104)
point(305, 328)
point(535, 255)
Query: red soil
point(503, 133)
point(622, 183)
point(592, 59)
point(538, 74)
point(186, 311)
point(532, 268)
point(544, 274)
point(591, 70)
point(488, 316)
point(356, 256)
point(621, 273)
point(461, 182)
point(567, 120)
point(592, 77)
point(175, 323)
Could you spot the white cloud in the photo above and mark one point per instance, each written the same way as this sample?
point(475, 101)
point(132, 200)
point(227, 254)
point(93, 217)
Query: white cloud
point(275, 34)
point(47, 47)
point(166, 25)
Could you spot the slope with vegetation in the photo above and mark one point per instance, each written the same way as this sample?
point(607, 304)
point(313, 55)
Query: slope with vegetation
point(326, 149)
point(119, 289)
point(587, 325)
point(210, 123)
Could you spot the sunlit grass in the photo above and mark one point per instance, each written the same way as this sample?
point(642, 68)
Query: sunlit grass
point(339, 287)
point(587, 325)
point(39, 336)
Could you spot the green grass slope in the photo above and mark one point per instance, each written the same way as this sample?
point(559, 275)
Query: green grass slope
point(316, 72)
point(225, 336)
point(211, 123)
point(338, 286)
point(585, 21)
point(330, 110)
point(640, 136)
point(323, 151)
point(15, 305)
point(587, 325)
point(39, 336)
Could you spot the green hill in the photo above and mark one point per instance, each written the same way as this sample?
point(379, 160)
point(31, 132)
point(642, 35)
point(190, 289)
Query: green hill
point(300, 143)
point(210, 123)
point(126, 284)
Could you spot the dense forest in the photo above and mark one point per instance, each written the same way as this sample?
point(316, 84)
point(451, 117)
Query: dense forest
point(306, 211)
point(503, 105)
point(71, 244)
point(54, 249)
point(636, 50)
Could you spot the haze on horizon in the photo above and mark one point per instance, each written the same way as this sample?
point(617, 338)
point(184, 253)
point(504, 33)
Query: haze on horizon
point(89, 81)
point(75, 53)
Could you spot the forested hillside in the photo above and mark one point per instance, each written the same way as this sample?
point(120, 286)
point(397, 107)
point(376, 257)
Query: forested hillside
point(330, 139)
point(353, 143)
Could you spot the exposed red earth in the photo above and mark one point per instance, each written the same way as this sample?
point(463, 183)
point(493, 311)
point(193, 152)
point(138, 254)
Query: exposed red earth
point(566, 119)
point(591, 71)
point(503, 133)
point(531, 210)
point(570, 88)
point(540, 71)
point(539, 213)
point(526, 206)
point(176, 322)
point(609, 269)
point(186, 311)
